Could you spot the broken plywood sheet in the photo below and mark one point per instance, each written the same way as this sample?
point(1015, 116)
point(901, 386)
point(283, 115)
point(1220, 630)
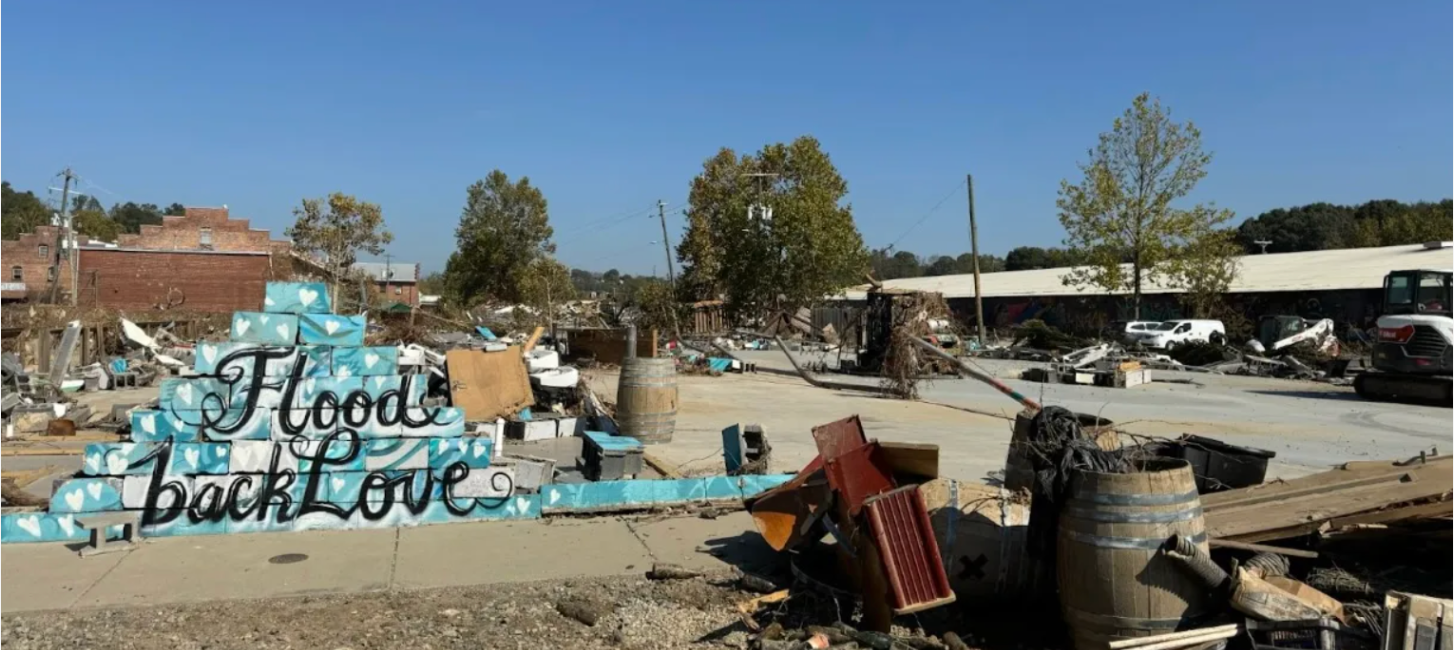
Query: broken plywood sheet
point(1299, 506)
point(488, 385)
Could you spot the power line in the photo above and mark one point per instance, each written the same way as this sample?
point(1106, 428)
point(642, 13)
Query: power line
point(928, 214)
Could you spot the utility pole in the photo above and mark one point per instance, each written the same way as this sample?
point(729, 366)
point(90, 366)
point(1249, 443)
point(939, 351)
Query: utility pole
point(671, 277)
point(63, 231)
point(974, 251)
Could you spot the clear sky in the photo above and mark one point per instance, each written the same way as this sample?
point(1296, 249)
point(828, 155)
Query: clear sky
point(609, 106)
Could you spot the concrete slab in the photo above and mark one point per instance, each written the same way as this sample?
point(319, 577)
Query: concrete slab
point(732, 538)
point(492, 552)
point(185, 569)
point(49, 576)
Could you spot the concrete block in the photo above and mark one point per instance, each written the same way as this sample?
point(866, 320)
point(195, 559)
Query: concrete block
point(340, 454)
point(191, 458)
point(473, 452)
point(119, 458)
point(368, 423)
point(317, 360)
point(44, 527)
point(433, 422)
point(238, 424)
point(296, 298)
point(366, 361)
point(268, 329)
point(311, 423)
point(86, 495)
point(331, 329)
point(193, 394)
point(413, 387)
point(134, 491)
point(325, 391)
point(160, 426)
point(396, 453)
point(489, 482)
point(256, 457)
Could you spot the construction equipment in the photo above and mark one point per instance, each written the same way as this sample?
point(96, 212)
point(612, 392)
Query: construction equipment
point(1412, 357)
point(1279, 332)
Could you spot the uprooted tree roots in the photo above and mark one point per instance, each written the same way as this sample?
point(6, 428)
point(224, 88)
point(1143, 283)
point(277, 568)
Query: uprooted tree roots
point(903, 365)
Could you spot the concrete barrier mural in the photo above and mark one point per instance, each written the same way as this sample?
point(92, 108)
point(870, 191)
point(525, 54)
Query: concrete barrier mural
point(294, 424)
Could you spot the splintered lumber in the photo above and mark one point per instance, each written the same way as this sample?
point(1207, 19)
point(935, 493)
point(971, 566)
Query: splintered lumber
point(1295, 507)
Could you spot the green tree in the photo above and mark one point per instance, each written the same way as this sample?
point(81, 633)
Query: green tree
point(1026, 258)
point(758, 241)
point(1204, 269)
point(132, 216)
point(20, 212)
point(987, 263)
point(943, 265)
point(432, 284)
point(336, 229)
point(503, 230)
point(1121, 211)
point(95, 224)
point(1312, 227)
point(1382, 224)
point(545, 285)
point(175, 210)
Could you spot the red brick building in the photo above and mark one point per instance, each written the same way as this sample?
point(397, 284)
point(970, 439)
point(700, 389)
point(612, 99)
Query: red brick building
point(29, 264)
point(200, 261)
point(394, 282)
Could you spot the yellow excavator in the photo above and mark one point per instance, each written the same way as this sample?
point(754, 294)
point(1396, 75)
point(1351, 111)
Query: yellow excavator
point(1412, 354)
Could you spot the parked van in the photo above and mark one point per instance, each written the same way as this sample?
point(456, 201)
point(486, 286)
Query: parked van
point(1128, 330)
point(1172, 333)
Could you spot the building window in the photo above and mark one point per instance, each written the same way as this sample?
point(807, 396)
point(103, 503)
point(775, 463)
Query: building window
point(50, 273)
point(398, 290)
point(17, 274)
point(44, 251)
point(206, 235)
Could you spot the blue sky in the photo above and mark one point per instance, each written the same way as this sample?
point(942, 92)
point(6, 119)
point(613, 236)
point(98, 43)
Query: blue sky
point(609, 106)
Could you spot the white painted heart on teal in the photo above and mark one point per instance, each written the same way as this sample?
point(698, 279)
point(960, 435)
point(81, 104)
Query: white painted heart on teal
point(30, 525)
point(67, 525)
point(330, 327)
point(337, 484)
point(522, 504)
point(370, 359)
point(379, 382)
point(209, 352)
point(116, 463)
point(282, 331)
point(241, 326)
point(149, 423)
point(93, 463)
point(480, 448)
point(184, 393)
point(307, 296)
point(268, 300)
point(554, 496)
point(343, 373)
point(94, 488)
point(263, 319)
point(75, 499)
point(221, 450)
point(192, 456)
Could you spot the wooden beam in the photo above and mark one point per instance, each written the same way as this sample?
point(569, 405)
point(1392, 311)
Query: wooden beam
point(1261, 548)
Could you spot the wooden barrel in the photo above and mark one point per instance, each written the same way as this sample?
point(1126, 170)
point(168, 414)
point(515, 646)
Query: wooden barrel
point(1020, 474)
point(1114, 580)
point(646, 399)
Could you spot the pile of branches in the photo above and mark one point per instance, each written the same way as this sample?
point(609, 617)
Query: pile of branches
point(903, 365)
point(1035, 333)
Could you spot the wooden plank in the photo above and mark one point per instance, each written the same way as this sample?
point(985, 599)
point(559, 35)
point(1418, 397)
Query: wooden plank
point(912, 458)
point(1420, 511)
point(1261, 548)
point(534, 338)
point(1309, 513)
point(661, 465)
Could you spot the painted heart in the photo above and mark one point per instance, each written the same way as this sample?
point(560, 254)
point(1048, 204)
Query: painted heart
point(268, 301)
point(209, 352)
point(379, 382)
point(480, 448)
point(149, 423)
point(242, 456)
point(193, 456)
point(337, 484)
point(282, 331)
point(522, 504)
point(241, 326)
point(30, 525)
point(554, 496)
point(263, 319)
point(330, 327)
point(343, 373)
point(76, 499)
point(221, 450)
point(184, 393)
point(116, 464)
point(93, 463)
point(370, 359)
point(459, 444)
point(67, 525)
point(307, 296)
point(94, 488)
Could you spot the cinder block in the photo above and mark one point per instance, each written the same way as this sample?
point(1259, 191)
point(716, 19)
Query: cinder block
point(370, 422)
point(192, 394)
point(317, 360)
point(268, 329)
point(331, 329)
point(134, 491)
point(119, 458)
point(488, 482)
point(238, 424)
point(311, 423)
point(191, 458)
point(255, 457)
point(396, 453)
point(433, 422)
point(413, 387)
point(160, 426)
point(86, 495)
point(473, 452)
point(315, 391)
point(296, 298)
point(340, 455)
point(366, 361)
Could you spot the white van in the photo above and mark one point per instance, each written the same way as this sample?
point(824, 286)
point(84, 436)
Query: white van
point(1172, 333)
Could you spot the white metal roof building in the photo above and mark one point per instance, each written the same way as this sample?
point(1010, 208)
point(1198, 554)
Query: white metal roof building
point(1350, 268)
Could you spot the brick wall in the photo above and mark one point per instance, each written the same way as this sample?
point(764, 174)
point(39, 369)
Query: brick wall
point(198, 281)
point(24, 254)
point(185, 233)
point(397, 292)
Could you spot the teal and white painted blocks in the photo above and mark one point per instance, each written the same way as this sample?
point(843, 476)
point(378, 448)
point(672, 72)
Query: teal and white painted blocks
point(473, 452)
point(310, 392)
point(256, 457)
point(191, 458)
point(86, 495)
point(192, 394)
point(380, 360)
point(296, 298)
point(268, 329)
point(376, 422)
point(46, 527)
point(396, 453)
point(118, 458)
point(311, 423)
point(413, 387)
point(337, 455)
point(433, 422)
point(135, 491)
point(161, 426)
point(331, 329)
point(236, 424)
point(317, 360)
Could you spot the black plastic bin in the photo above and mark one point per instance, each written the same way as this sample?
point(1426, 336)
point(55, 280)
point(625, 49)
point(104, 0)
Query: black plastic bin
point(1219, 466)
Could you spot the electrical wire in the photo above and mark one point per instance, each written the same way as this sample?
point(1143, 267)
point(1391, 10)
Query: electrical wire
point(929, 213)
